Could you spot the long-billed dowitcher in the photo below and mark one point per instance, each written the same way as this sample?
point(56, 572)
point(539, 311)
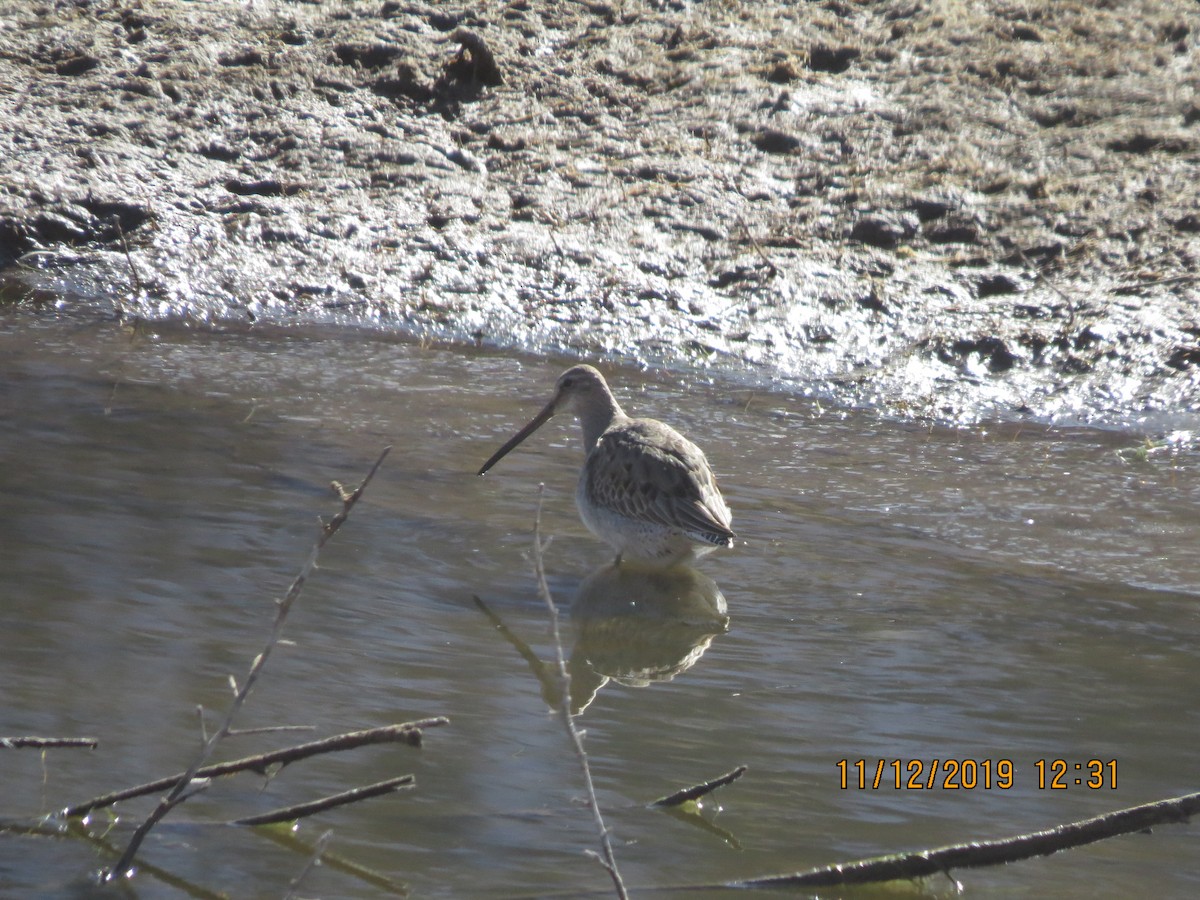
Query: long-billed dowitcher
point(645, 489)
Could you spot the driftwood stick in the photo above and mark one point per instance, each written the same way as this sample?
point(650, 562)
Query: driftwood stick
point(300, 810)
point(699, 790)
point(172, 799)
point(408, 733)
point(987, 853)
point(15, 743)
point(607, 859)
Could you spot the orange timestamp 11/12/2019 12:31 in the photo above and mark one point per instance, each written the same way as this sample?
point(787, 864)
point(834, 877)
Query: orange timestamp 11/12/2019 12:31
point(972, 774)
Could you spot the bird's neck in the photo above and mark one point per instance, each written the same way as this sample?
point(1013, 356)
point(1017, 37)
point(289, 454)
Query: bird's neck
point(598, 418)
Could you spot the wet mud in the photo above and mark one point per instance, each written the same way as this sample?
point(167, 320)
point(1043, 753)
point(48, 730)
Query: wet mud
point(943, 209)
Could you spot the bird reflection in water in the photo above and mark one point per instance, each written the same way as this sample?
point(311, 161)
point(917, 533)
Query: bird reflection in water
point(635, 625)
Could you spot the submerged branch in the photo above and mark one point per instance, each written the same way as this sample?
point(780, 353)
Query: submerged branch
point(301, 810)
point(176, 795)
point(292, 840)
point(313, 860)
point(408, 733)
point(699, 790)
point(15, 743)
point(608, 860)
point(987, 853)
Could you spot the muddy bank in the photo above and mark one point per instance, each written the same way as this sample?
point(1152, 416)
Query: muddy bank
point(948, 210)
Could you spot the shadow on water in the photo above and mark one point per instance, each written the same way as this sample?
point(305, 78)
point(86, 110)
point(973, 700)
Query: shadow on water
point(633, 625)
point(639, 627)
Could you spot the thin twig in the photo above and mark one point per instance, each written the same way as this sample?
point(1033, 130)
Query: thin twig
point(137, 281)
point(772, 269)
point(608, 860)
point(699, 790)
point(407, 733)
point(268, 729)
point(172, 799)
point(301, 810)
point(1134, 286)
point(1041, 276)
point(16, 743)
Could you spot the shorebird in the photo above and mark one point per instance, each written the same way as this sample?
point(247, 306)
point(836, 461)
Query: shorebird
point(644, 489)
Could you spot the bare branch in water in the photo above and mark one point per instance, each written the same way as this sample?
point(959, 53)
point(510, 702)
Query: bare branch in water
point(300, 810)
point(697, 791)
point(608, 860)
point(16, 743)
point(978, 854)
point(175, 796)
point(408, 733)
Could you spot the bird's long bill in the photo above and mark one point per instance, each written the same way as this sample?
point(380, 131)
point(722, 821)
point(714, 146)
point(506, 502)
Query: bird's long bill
point(538, 421)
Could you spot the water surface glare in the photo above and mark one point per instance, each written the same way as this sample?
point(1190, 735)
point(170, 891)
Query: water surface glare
point(897, 593)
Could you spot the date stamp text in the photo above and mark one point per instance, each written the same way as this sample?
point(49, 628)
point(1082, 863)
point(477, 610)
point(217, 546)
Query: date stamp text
point(973, 774)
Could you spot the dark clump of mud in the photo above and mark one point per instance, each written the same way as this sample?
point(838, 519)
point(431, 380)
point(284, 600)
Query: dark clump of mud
point(946, 209)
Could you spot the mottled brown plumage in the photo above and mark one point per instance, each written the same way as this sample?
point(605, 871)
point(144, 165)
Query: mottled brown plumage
point(645, 489)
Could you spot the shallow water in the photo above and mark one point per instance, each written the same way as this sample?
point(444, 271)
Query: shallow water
point(898, 593)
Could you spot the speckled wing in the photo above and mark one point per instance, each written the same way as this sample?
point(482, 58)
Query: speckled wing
point(645, 470)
